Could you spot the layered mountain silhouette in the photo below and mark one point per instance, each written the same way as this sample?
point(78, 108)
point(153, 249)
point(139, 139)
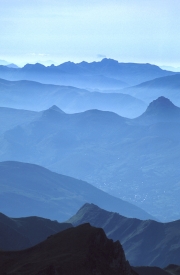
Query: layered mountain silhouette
point(167, 86)
point(132, 159)
point(36, 96)
point(4, 62)
point(21, 233)
point(36, 191)
point(146, 243)
point(81, 250)
point(106, 74)
point(12, 65)
point(10, 118)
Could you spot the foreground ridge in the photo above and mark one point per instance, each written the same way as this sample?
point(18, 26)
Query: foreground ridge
point(81, 250)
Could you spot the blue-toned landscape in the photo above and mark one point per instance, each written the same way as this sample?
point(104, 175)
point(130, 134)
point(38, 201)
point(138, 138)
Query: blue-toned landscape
point(89, 138)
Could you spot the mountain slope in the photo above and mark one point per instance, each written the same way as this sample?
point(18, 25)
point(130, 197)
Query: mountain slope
point(160, 110)
point(136, 161)
point(167, 86)
point(3, 62)
point(10, 118)
point(36, 96)
point(37, 191)
point(144, 242)
point(83, 250)
point(21, 233)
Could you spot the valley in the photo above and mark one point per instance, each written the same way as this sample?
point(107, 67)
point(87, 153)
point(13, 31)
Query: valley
point(133, 159)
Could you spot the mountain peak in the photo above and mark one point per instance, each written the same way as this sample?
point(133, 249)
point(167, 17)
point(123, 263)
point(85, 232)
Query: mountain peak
point(109, 60)
point(12, 65)
point(56, 108)
point(161, 104)
point(34, 66)
point(159, 110)
point(53, 112)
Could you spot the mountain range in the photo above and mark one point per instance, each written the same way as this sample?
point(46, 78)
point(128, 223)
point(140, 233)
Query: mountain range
point(36, 96)
point(36, 191)
point(21, 233)
point(136, 160)
point(83, 250)
point(106, 74)
point(167, 86)
point(89, 138)
point(146, 243)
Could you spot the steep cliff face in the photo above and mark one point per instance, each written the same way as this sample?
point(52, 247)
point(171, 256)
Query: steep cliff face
point(83, 250)
point(105, 256)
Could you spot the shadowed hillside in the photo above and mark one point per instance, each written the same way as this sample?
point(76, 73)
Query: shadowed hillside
point(146, 243)
point(167, 86)
point(36, 191)
point(21, 233)
point(84, 250)
point(146, 270)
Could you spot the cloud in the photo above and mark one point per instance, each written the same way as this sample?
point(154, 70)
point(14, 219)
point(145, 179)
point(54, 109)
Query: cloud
point(38, 54)
point(100, 56)
point(43, 54)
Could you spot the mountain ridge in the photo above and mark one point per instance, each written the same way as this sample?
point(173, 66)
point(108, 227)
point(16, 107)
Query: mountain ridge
point(81, 250)
point(36, 96)
point(167, 86)
point(36, 191)
point(22, 233)
point(104, 74)
point(121, 156)
point(146, 243)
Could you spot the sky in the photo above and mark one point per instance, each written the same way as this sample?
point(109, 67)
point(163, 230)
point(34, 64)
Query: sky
point(141, 31)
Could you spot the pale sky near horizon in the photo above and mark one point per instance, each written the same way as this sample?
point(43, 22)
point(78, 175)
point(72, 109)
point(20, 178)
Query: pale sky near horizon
point(140, 31)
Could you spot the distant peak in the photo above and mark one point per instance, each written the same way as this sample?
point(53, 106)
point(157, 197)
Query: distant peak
point(34, 66)
point(12, 65)
point(161, 102)
point(161, 109)
point(109, 60)
point(56, 108)
point(89, 206)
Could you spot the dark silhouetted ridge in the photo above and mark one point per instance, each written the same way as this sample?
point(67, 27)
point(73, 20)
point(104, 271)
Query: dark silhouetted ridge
point(173, 269)
point(21, 233)
point(146, 243)
point(84, 250)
